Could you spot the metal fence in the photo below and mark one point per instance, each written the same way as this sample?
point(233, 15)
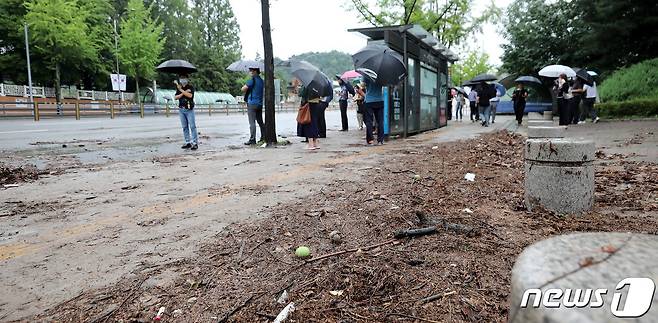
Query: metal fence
point(78, 110)
point(12, 90)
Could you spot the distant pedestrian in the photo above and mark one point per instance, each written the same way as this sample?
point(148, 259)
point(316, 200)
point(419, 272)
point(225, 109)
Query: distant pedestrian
point(519, 97)
point(310, 131)
point(359, 96)
point(473, 99)
point(561, 89)
point(185, 96)
point(494, 105)
point(254, 97)
point(485, 92)
point(345, 90)
point(591, 94)
point(459, 114)
point(574, 104)
point(374, 104)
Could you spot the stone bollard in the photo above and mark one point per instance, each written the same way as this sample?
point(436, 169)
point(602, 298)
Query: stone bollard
point(540, 123)
point(586, 264)
point(559, 175)
point(548, 115)
point(535, 116)
point(547, 132)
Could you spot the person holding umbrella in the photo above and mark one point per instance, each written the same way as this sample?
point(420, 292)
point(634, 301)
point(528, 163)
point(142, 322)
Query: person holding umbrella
point(561, 89)
point(519, 96)
point(485, 92)
point(588, 103)
point(253, 90)
point(473, 99)
point(185, 96)
point(345, 89)
point(574, 104)
point(374, 104)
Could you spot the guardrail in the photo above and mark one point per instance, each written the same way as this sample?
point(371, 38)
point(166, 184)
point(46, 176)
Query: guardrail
point(38, 110)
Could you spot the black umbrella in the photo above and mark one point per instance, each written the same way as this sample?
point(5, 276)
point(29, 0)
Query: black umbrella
point(381, 64)
point(528, 79)
point(470, 83)
point(583, 75)
point(176, 66)
point(483, 78)
point(244, 65)
point(312, 78)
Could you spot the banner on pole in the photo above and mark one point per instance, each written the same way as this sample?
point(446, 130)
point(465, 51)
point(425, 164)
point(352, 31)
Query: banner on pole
point(118, 82)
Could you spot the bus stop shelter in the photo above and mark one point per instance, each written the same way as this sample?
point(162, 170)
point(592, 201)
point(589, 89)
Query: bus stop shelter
point(420, 102)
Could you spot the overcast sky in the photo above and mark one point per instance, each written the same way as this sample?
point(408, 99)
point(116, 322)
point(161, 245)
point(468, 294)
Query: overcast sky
point(300, 26)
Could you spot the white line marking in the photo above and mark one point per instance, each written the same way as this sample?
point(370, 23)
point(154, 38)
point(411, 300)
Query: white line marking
point(24, 131)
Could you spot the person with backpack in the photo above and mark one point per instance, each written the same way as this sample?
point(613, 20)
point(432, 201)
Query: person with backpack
point(185, 96)
point(345, 89)
point(253, 96)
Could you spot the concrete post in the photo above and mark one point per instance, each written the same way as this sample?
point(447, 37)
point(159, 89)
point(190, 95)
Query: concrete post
point(582, 262)
point(548, 115)
point(559, 175)
point(535, 116)
point(540, 123)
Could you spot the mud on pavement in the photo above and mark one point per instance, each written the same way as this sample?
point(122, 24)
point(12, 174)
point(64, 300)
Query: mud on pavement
point(461, 273)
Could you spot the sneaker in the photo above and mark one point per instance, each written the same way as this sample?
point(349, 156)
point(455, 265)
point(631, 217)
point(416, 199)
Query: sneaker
point(186, 146)
point(596, 120)
point(581, 122)
point(250, 143)
point(195, 147)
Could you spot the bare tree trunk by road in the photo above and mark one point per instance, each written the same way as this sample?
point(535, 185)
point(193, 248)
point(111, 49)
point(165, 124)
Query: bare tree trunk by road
point(270, 126)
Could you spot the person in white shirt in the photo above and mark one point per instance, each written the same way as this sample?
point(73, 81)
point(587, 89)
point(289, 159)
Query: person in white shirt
point(588, 103)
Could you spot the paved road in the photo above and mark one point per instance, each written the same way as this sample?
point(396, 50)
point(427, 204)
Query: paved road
point(96, 140)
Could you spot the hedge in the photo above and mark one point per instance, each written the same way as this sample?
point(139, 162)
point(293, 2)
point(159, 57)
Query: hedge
point(639, 81)
point(646, 108)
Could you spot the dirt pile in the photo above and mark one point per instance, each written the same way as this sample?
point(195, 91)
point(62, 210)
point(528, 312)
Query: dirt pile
point(367, 275)
point(13, 175)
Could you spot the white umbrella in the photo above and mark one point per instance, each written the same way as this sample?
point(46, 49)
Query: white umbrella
point(556, 70)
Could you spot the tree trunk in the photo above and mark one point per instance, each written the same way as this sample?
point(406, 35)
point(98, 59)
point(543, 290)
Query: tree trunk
point(270, 127)
point(58, 85)
point(137, 89)
point(58, 90)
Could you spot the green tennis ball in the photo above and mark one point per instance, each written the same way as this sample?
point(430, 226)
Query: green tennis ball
point(303, 252)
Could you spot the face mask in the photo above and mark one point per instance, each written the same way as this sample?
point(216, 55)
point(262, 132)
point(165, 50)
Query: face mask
point(183, 82)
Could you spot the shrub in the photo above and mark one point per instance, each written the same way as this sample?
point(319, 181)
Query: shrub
point(634, 82)
point(635, 108)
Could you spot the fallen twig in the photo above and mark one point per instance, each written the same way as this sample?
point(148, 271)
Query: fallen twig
point(412, 317)
point(437, 296)
point(351, 250)
point(132, 293)
point(455, 227)
point(237, 308)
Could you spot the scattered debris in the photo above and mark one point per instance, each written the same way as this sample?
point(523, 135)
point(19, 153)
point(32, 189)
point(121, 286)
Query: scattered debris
point(283, 316)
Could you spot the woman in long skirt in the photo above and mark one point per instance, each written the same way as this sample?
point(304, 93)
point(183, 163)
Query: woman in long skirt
point(311, 131)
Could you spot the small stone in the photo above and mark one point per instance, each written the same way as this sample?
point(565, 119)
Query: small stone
point(191, 299)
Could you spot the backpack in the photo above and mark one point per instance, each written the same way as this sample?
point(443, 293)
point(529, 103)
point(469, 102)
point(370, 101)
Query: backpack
point(249, 89)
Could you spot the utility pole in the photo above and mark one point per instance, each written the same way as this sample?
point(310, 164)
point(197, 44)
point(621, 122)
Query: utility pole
point(29, 69)
point(116, 48)
point(270, 126)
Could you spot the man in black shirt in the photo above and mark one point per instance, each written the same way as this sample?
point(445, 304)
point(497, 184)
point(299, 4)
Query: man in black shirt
point(185, 97)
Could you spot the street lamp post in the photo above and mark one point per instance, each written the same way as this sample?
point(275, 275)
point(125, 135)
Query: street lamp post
point(29, 69)
point(116, 48)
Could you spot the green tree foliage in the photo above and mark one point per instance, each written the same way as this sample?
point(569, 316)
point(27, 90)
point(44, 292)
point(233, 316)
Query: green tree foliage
point(141, 43)
point(599, 34)
point(60, 32)
point(216, 45)
point(541, 34)
point(617, 33)
point(12, 49)
point(450, 21)
point(473, 64)
point(639, 81)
